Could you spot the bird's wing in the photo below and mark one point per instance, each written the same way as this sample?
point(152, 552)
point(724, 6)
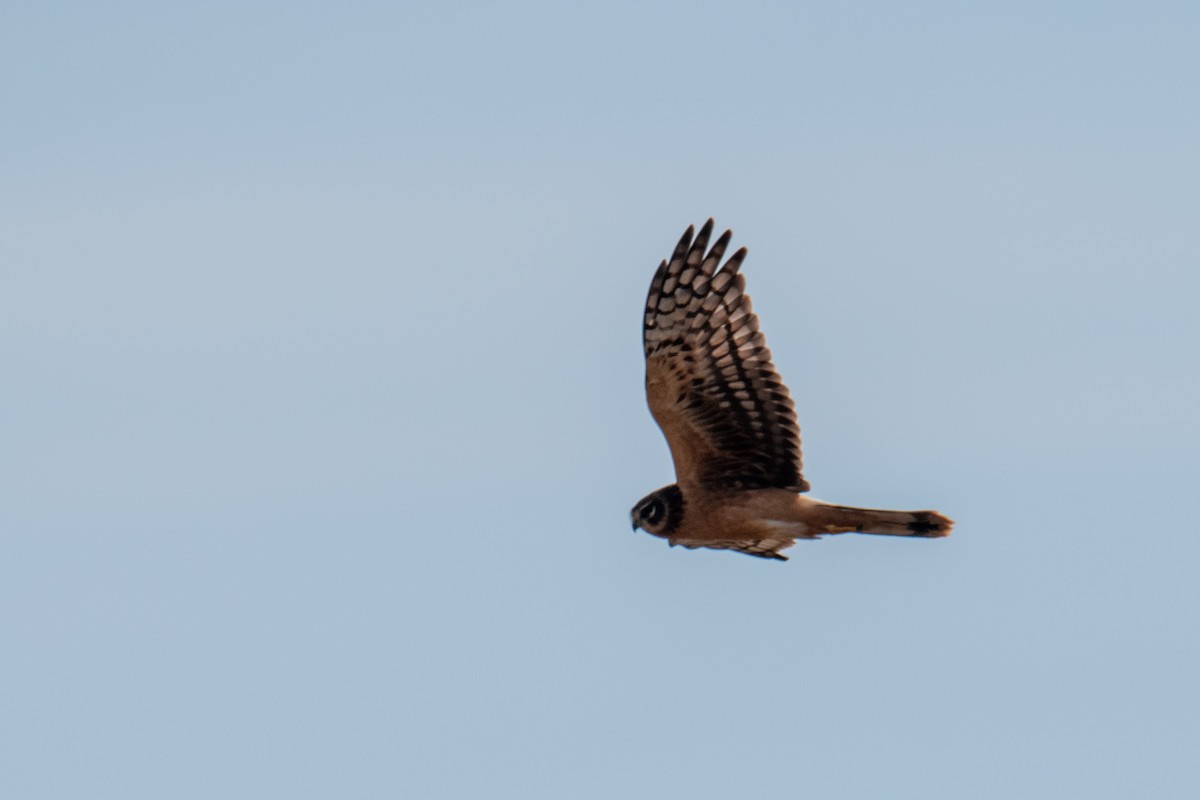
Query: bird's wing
point(760, 548)
point(710, 383)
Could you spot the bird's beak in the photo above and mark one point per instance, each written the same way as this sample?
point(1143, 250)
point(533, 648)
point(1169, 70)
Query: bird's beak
point(633, 519)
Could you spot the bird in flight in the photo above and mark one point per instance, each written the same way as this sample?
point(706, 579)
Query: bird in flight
point(730, 422)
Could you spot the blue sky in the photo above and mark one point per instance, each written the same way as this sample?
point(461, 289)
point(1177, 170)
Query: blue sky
point(323, 409)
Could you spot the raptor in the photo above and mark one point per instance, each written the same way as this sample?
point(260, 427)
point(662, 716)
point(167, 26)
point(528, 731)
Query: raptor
point(730, 421)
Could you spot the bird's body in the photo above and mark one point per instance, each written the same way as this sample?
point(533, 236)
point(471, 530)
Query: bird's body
point(762, 522)
point(730, 422)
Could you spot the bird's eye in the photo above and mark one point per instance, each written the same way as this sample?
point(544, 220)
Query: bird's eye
point(653, 512)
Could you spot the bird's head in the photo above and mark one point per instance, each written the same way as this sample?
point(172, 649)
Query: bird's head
point(659, 512)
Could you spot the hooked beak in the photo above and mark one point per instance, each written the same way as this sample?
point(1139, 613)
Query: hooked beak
point(633, 519)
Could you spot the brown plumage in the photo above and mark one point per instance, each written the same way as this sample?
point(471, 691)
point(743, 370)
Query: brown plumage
point(730, 422)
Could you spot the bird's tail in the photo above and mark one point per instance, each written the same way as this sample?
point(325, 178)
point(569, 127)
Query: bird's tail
point(923, 524)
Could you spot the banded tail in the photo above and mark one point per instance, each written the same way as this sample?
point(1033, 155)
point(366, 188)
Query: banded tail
point(923, 524)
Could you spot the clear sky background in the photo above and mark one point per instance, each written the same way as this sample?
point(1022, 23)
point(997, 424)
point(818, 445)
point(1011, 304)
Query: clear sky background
point(322, 406)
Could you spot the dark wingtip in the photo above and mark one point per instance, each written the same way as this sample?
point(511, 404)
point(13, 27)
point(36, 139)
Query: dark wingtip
point(685, 243)
point(722, 242)
point(735, 261)
point(700, 243)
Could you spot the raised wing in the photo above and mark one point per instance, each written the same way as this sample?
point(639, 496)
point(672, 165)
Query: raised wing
point(710, 383)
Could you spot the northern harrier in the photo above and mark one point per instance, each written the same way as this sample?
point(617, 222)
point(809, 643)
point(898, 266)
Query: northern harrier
point(730, 422)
